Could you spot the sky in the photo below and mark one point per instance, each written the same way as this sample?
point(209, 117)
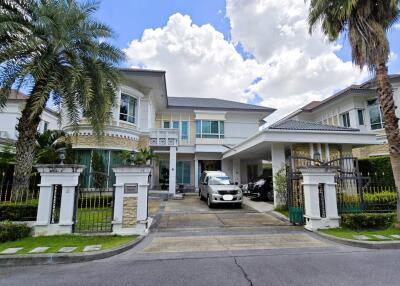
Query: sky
point(252, 51)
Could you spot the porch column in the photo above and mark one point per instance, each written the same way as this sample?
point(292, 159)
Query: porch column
point(236, 170)
point(196, 174)
point(327, 152)
point(278, 162)
point(172, 171)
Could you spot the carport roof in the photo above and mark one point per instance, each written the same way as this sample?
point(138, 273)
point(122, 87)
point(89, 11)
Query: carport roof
point(292, 124)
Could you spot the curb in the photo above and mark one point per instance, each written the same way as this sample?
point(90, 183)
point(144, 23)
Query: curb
point(362, 244)
point(57, 258)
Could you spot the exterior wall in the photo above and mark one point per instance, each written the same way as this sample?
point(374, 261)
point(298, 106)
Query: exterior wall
point(10, 114)
point(373, 150)
point(108, 142)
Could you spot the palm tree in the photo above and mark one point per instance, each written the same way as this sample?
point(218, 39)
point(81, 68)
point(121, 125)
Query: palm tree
point(57, 50)
point(366, 23)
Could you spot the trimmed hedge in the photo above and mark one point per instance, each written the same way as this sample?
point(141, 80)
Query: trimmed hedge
point(377, 165)
point(18, 212)
point(368, 220)
point(13, 231)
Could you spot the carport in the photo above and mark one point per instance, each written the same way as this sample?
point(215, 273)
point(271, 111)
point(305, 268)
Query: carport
point(279, 141)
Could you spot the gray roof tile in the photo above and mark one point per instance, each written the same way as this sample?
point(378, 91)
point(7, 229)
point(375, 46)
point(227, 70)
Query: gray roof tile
point(213, 103)
point(306, 125)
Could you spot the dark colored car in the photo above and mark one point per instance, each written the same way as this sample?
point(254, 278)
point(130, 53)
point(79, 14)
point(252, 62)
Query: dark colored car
point(262, 189)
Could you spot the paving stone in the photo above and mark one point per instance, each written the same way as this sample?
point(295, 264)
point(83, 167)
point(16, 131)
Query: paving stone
point(361, 237)
point(11, 250)
point(396, 236)
point(39, 250)
point(66, 249)
point(92, 248)
point(380, 236)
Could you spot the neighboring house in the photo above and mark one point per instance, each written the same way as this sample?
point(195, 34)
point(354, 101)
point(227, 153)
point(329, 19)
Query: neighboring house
point(356, 107)
point(190, 135)
point(10, 114)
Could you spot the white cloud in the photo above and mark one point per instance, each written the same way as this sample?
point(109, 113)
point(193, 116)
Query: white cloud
point(397, 26)
point(298, 67)
point(294, 67)
point(198, 60)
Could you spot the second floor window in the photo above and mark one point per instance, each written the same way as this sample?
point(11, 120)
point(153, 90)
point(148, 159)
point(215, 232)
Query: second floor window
point(346, 119)
point(360, 113)
point(209, 129)
point(184, 130)
point(375, 115)
point(127, 110)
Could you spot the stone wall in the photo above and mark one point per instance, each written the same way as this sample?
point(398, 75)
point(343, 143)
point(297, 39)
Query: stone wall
point(373, 150)
point(112, 142)
point(129, 212)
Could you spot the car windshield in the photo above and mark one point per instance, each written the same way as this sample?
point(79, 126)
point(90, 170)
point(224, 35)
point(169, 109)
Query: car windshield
point(222, 180)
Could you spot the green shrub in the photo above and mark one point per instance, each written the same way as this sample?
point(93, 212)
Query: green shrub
point(12, 231)
point(368, 220)
point(377, 165)
point(18, 212)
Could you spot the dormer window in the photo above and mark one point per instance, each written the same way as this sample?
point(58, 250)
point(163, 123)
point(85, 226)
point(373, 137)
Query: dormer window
point(127, 110)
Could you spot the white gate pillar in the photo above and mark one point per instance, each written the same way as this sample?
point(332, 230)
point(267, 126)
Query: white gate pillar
point(172, 171)
point(67, 176)
point(320, 197)
point(131, 200)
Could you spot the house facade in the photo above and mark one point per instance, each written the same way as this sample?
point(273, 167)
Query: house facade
point(11, 113)
point(188, 135)
point(355, 107)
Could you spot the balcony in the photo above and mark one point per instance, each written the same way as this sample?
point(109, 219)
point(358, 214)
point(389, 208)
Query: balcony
point(164, 137)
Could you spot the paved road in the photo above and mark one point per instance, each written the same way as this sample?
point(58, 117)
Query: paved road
point(239, 253)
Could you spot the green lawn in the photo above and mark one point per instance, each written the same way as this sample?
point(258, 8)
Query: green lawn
point(348, 233)
point(56, 242)
point(282, 211)
point(96, 219)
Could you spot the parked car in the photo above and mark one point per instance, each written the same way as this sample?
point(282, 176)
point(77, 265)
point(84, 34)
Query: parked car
point(262, 189)
point(217, 188)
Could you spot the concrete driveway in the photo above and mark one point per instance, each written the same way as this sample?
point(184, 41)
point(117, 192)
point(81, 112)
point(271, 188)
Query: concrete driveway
point(188, 225)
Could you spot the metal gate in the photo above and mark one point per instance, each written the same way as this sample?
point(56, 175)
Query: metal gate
point(349, 185)
point(94, 208)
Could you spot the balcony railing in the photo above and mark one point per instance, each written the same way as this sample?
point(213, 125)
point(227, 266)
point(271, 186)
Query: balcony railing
point(164, 137)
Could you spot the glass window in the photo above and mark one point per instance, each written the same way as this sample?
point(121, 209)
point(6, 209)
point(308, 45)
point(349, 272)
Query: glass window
point(166, 124)
point(184, 130)
point(209, 129)
point(223, 180)
point(183, 171)
point(375, 115)
point(346, 119)
point(175, 124)
point(45, 126)
point(127, 109)
point(360, 113)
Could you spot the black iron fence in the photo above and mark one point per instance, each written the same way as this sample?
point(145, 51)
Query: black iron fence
point(356, 192)
point(18, 204)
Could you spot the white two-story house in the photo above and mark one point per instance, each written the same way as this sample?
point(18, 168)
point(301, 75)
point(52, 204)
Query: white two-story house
point(356, 107)
point(10, 114)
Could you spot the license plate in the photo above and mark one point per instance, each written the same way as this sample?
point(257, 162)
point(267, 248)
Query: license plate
point(227, 197)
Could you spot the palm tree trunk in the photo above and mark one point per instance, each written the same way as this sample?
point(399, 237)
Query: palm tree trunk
point(388, 109)
point(25, 147)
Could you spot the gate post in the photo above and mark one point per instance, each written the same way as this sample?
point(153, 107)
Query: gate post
point(320, 201)
point(131, 198)
point(67, 177)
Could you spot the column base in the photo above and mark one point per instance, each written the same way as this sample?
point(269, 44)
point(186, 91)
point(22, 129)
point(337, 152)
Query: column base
point(52, 229)
point(141, 228)
point(315, 223)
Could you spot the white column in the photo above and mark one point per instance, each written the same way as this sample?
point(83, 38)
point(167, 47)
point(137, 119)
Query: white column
point(50, 175)
point(236, 170)
point(312, 178)
point(172, 171)
point(278, 164)
point(327, 152)
point(196, 174)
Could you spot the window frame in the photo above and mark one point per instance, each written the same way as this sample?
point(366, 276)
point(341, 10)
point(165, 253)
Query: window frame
point(360, 116)
point(135, 110)
point(210, 135)
point(345, 119)
point(375, 104)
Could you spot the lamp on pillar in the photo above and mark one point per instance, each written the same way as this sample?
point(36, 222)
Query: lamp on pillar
point(132, 157)
point(61, 154)
point(317, 156)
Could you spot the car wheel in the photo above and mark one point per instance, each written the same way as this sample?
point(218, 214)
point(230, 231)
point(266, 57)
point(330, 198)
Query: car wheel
point(209, 203)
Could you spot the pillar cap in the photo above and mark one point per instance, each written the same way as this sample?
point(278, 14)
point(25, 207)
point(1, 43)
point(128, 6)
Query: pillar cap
point(59, 168)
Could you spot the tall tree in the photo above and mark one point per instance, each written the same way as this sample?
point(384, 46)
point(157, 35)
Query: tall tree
point(57, 50)
point(366, 23)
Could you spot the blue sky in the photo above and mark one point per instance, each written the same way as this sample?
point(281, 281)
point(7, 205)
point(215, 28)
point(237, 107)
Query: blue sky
point(264, 57)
